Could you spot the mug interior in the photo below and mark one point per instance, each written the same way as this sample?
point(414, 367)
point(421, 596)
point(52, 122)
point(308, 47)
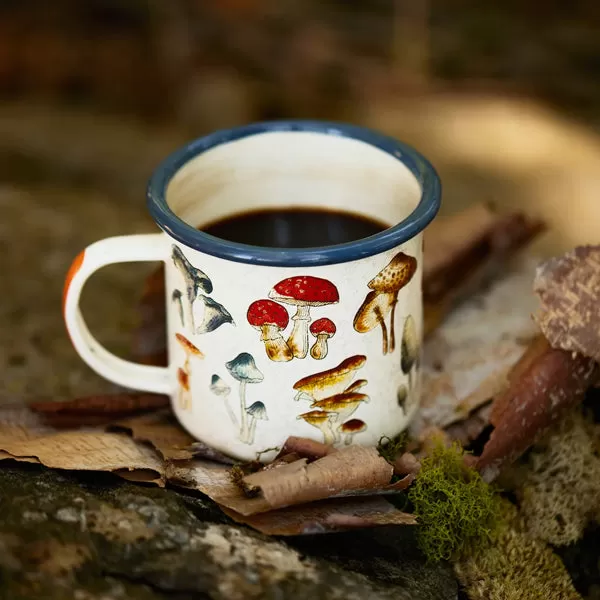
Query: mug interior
point(293, 170)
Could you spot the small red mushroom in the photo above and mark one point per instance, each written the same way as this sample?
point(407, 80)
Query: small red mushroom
point(271, 318)
point(303, 292)
point(322, 329)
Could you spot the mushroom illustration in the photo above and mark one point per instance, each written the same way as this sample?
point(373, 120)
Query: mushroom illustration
point(303, 292)
point(322, 329)
point(343, 405)
point(184, 395)
point(219, 388)
point(330, 382)
point(243, 369)
point(196, 281)
point(356, 386)
point(271, 319)
point(256, 412)
point(350, 428)
point(409, 348)
point(214, 316)
point(402, 396)
point(322, 421)
point(383, 298)
point(176, 297)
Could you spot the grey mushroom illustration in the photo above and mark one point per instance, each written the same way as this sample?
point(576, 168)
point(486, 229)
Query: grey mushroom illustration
point(219, 388)
point(215, 315)
point(410, 350)
point(176, 297)
point(196, 280)
point(244, 369)
point(402, 396)
point(256, 412)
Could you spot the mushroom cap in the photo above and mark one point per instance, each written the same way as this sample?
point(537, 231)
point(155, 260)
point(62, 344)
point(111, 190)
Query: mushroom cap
point(331, 381)
point(201, 279)
point(187, 345)
point(315, 417)
point(243, 368)
point(218, 386)
point(402, 396)
point(395, 275)
point(305, 290)
point(176, 295)
point(366, 316)
point(321, 326)
point(353, 426)
point(267, 312)
point(359, 384)
point(215, 315)
point(410, 345)
point(339, 401)
point(258, 410)
point(183, 379)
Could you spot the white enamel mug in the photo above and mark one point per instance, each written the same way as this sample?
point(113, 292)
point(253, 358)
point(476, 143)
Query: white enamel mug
point(265, 343)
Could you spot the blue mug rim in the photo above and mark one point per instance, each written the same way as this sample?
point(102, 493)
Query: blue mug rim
point(390, 238)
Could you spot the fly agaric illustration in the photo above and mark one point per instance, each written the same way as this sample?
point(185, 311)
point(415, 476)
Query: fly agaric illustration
point(350, 428)
point(343, 405)
point(184, 395)
point(328, 383)
point(322, 421)
point(271, 319)
point(176, 297)
point(410, 348)
point(214, 316)
point(402, 396)
point(256, 412)
point(243, 369)
point(195, 280)
point(382, 300)
point(304, 292)
point(219, 388)
point(322, 329)
point(190, 350)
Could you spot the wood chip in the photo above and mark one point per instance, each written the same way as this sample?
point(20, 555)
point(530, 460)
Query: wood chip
point(569, 289)
point(326, 516)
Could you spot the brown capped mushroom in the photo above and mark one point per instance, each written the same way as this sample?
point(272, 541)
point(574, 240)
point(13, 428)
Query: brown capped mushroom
point(322, 329)
point(270, 319)
point(184, 374)
point(330, 382)
point(385, 287)
point(356, 386)
point(350, 428)
point(343, 405)
point(184, 395)
point(322, 421)
point(303, 292)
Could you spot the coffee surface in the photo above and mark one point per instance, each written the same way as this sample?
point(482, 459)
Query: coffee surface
point(294, 228)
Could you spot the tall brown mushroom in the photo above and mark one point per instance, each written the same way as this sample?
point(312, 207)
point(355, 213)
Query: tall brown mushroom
point(303, 292)
point(322, 421)
point(322, 329)
point(343, 405)
point(184, 395)
point(270, 319)
point(350, 428)
point(184, 374)
point(383, 298)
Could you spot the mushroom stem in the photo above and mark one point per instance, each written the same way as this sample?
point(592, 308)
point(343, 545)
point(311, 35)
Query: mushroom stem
point(276, 347)
point(329, 436)
point(319, 349)
point(230, 412)
point(298, 341)
point(348, 439)
point(250, 435)
point(393, 324)
point(384, 331)
point(243, 417)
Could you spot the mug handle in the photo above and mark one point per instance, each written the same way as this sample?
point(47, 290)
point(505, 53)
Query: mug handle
point(127, 248)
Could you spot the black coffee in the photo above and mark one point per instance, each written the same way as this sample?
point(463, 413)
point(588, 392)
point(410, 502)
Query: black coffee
point(294, 228)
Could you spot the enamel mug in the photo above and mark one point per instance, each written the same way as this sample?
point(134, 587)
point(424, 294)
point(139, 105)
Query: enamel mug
point(266, 343)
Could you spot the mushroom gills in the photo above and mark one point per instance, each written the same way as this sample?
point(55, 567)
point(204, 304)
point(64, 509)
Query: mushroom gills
point(215, 315)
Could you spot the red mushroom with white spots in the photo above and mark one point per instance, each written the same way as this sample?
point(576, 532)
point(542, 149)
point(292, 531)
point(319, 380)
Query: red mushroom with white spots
point(271, 319)
point(303, 292)
point(322, 329)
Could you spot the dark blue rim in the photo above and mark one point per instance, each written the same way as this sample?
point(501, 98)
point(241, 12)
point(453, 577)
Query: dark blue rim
point(393, 237)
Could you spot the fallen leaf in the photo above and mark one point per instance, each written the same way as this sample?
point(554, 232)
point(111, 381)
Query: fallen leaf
point(552, 382)
point(341, 514)
point(568, 288)
point(305, 448)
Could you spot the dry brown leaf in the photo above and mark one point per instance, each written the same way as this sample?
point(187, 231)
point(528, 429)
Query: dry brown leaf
point(325, 516)
point(551, 383)
point(109, 404)
point(305, 448)
point(569, 288)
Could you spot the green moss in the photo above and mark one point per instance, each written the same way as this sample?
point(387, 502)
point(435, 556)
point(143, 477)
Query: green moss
point(456, 509)
point(390, 448)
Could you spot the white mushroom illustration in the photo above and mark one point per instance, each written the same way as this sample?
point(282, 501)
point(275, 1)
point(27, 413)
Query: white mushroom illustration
point(244, 369)
point(350, 428)
point(256, 412)
point(271, 319)
point(322, 421)
point(322, 329)
point(219, 388)
point(303, 292)
point(214, 316)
